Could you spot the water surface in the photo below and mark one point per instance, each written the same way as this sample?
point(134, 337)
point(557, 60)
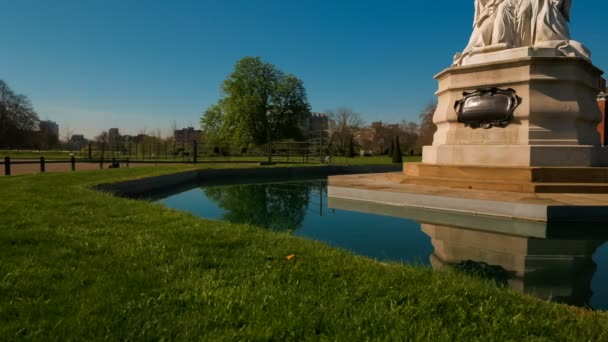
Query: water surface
point(569, 270)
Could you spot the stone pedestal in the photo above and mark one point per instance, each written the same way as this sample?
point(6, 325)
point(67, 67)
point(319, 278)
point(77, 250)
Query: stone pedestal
point(555, 124)
point(547, 164)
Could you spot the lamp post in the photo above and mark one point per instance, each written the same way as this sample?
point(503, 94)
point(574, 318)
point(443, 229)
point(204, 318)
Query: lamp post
point(269, 136)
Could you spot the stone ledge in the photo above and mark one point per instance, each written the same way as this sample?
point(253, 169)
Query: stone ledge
point(178, 182)
point(563, 208)
point(513, 179)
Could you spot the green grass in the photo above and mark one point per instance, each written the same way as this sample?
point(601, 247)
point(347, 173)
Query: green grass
point(76, 264)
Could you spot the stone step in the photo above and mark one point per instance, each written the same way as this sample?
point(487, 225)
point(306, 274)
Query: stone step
point(593, 175)
point(505, 185)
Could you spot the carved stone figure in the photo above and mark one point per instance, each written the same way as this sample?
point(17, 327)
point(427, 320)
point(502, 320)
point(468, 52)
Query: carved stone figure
point(506, 24)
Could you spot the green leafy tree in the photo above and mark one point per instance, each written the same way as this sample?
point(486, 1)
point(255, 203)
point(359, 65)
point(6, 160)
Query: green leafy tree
point(211, 124)
point(259, 103)
point(288, 108)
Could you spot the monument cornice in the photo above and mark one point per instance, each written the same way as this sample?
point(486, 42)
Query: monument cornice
point(522, 61)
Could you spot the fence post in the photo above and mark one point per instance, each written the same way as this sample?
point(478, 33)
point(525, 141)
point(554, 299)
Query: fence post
point(42, 165)
point(90, 153)
point(103, 150)
point(194, 152)
point(7, 166)
point(127, 162)
point(73, 162)
point(321, 146)
point(269, 152)
point(113, 162)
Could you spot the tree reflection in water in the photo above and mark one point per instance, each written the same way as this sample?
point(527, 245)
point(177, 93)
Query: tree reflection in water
point(275, 206)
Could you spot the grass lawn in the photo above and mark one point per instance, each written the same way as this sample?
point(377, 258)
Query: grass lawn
point(76, 264)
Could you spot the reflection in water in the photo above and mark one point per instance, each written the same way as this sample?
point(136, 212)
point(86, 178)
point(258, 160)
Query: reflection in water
point(278, 206)
point(559, 270)
point(301, 208)
point(550, 262)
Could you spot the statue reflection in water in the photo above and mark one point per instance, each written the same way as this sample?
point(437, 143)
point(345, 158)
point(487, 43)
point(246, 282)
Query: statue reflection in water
point(551, 269)
point(549, 261)
point(560, 268)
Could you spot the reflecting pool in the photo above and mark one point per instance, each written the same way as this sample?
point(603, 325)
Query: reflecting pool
point(564, 267)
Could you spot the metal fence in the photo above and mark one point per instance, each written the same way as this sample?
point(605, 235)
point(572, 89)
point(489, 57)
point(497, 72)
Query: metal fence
point(127, 154)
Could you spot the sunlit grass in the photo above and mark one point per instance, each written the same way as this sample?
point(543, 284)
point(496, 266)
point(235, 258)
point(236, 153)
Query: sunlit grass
point(77, 264)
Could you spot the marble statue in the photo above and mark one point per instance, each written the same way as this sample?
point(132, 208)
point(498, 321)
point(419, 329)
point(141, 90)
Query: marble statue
point(506, 24)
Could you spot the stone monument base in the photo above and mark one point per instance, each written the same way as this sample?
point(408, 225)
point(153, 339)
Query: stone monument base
point(511, 179)
point(516, 155)
point(555, 123)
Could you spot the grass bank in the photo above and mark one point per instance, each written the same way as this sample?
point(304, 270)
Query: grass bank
point(76, 264)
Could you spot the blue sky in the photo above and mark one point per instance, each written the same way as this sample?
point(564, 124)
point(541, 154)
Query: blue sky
point(141, 64)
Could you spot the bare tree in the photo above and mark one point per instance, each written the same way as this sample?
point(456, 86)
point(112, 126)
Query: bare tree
point(408, 136)
point(102, 140)
point(66, 133)
point(427, 127)
point(173, 128)
point(18, 119)
point(102, 137)
point(173, 131)
point(343, 124)
point(158, 139)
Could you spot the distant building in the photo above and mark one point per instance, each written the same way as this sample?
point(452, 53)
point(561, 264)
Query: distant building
point(315, 122)
point(49, 126)
point(377, 137)
point(113, 134)
point(140, 138)
point(187, 135)
point(78, 141)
